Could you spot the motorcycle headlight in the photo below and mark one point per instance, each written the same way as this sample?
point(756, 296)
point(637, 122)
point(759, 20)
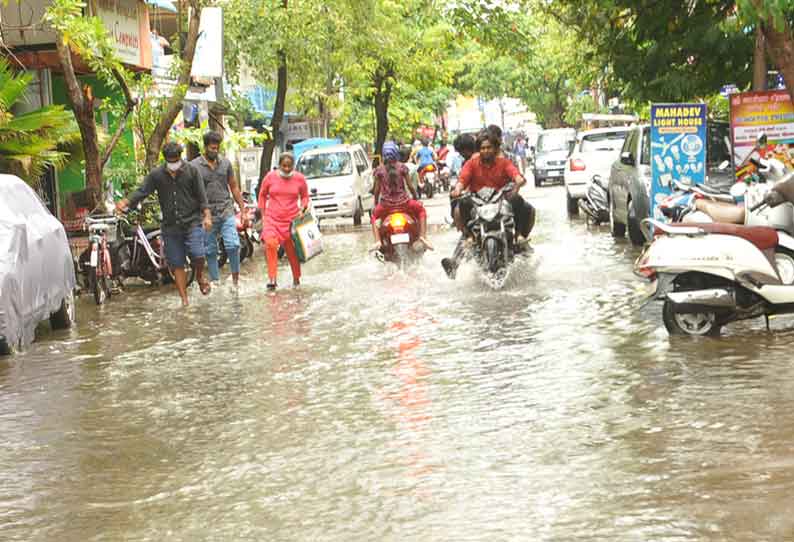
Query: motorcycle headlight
point(488, 212)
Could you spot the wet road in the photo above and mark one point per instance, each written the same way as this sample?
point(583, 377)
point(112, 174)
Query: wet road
point(369, 406)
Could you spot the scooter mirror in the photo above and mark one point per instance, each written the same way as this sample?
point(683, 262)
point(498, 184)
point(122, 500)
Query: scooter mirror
point(738, 190)
point(762, 140)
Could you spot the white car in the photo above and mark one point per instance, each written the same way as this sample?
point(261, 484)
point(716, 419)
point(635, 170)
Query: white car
point(594, 153)
point(340, 181)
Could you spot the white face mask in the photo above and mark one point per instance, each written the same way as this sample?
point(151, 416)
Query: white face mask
point(173, 166)
point(285, 175)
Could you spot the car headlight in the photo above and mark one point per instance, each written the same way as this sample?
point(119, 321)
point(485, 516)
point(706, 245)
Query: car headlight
point(488, 212)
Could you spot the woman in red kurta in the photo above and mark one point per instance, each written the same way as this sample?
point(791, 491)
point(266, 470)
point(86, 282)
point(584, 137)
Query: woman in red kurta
point(279, 193)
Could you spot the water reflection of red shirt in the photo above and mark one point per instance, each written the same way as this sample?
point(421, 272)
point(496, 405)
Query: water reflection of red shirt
point(476, 174)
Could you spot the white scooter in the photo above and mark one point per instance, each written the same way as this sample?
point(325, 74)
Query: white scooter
point(709, 275)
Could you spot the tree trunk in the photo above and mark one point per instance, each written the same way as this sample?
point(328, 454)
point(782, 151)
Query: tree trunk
point(174, 104)
point(780, 46)
point(383, 83)
point(278, 115)
point(82, 102)
point(759, 62)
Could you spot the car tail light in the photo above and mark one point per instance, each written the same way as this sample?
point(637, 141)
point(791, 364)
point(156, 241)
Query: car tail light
point(577, 164)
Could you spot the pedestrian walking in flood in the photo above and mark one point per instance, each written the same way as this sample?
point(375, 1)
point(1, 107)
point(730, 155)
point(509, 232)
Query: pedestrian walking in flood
point(186, 215)
point(222, 191)
point(279, 195)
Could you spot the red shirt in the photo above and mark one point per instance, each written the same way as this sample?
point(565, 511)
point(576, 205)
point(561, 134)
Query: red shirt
point(476, 174)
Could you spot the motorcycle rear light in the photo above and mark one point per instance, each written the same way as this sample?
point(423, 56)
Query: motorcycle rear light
point(577, 164)
point(398, 222)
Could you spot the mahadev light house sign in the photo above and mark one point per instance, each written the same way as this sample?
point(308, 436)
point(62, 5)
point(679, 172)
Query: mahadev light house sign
point(678, 148)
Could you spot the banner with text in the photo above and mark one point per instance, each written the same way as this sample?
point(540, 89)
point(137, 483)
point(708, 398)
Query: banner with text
point(678, 148)
point(769, 113)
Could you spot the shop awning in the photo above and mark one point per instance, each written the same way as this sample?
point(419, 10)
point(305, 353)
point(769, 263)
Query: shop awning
point(163, 4)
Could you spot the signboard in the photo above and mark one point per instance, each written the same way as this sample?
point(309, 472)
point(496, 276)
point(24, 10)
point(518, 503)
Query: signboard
point(678, 147)
point(756, 113)
point(208, 58)
point(249, 168)
point(298, 131)
point(122, 19)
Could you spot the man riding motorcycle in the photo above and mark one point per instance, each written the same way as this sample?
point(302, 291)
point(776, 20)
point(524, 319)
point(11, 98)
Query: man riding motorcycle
point(425, 156)
point(489, 168)
point(393, 192)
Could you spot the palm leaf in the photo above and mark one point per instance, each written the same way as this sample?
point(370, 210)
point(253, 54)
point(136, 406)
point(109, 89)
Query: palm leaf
point(53, 116)
point(12, 85)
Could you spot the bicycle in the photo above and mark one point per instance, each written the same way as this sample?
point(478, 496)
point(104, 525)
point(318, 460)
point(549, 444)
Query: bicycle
point(102, 230)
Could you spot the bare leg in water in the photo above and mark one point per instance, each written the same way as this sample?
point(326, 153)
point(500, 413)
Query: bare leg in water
point(198, 268)
point(180, 277)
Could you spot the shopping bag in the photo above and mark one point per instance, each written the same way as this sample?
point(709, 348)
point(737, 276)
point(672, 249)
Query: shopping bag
point(307, 237)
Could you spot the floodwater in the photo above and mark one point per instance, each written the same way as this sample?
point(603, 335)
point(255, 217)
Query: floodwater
point(376, 406)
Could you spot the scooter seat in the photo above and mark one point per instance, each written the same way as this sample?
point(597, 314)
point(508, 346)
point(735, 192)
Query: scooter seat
point(761, 236)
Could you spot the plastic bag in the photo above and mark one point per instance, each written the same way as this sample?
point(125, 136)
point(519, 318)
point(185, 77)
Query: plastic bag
point(307, 237)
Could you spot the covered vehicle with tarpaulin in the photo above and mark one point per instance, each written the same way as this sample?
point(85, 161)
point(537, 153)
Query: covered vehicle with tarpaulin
point(37, 277)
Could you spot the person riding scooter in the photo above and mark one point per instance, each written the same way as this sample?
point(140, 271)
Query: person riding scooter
point(487, 169)
point(393, 191)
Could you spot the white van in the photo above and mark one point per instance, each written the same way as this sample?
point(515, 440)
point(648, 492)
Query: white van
point(550, 154)
point(340, 181)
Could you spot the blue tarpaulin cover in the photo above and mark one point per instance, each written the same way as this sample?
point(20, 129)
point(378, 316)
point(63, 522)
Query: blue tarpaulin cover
point(313, 143)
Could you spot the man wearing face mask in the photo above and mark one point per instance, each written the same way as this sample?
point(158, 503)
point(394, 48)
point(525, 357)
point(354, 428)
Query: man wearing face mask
point(221, 186)
point(186, 215)
point(489, 168)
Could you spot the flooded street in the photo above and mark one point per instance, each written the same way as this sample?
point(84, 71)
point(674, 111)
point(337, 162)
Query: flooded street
point(376, 406)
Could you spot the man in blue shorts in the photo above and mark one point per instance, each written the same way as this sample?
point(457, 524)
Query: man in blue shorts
point(186, 215)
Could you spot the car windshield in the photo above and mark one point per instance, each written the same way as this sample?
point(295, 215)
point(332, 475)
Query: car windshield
point(329, 164)
point(609, 141)
point(553, 142)
point(719, 146)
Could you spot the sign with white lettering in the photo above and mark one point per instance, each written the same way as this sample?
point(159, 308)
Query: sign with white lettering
point(678, 148)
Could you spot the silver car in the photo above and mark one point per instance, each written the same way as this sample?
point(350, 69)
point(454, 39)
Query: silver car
point(630, 177)
point(630, 185)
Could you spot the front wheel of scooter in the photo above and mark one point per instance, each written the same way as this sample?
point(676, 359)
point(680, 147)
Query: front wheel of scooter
point(706, 324)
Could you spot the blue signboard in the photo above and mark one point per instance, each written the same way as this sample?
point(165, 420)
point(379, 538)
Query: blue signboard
point(678, 148)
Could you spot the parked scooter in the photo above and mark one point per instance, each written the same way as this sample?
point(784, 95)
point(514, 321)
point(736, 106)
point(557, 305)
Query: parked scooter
point(493, 227)
point(595, 204)
point(399, 233)
point(709, 275)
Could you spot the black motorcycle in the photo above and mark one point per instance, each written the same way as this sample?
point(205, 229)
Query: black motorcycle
point(595, 204)
point(493, 226)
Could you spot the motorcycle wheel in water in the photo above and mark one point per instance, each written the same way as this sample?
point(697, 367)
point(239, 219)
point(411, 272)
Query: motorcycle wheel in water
point(429, 188)
point(493, 226)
